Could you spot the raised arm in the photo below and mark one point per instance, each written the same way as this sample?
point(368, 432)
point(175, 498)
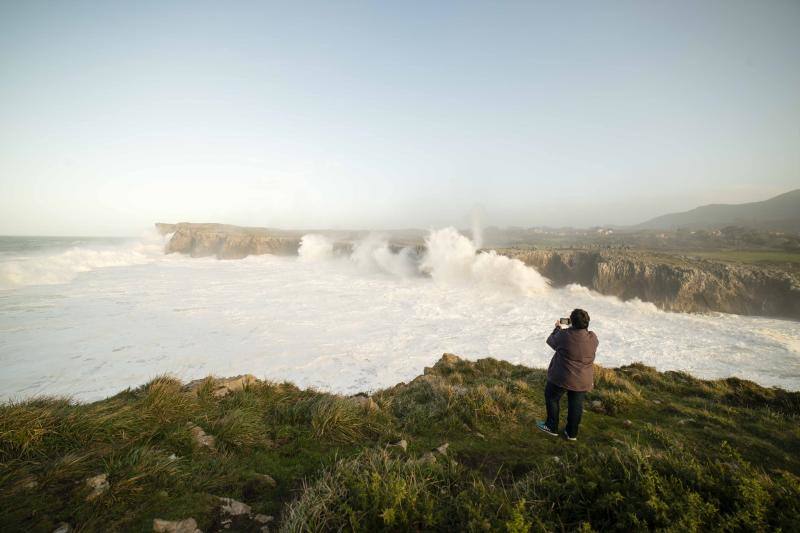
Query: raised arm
point(552, 340)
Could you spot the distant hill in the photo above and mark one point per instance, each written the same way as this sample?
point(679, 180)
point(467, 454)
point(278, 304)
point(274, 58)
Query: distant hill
point(779, 213)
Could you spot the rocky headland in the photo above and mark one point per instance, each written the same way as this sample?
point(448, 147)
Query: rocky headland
point(227, 242)
point(672, 283)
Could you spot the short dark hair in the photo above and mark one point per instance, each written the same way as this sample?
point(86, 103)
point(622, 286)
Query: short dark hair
point(579, 319)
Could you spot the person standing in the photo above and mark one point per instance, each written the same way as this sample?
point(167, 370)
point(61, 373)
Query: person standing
point(571, 370)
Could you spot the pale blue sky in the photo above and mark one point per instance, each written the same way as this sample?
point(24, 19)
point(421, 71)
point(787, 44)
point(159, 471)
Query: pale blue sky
point(391, 114)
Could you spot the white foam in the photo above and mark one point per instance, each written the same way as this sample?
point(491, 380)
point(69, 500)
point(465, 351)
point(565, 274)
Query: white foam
point(315, 247)
point(452, 258)
point(63, 266)
point(336, 325)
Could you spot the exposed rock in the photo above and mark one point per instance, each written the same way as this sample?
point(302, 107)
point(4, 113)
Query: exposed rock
point(627, 423)
point(187, 525)
point(99, 485)
point(596, 405)
point(266, 479)
point(449, 359)
point(401, 444)
point(443, 448)
point(657, 402)
point(227, 242)
point(684, 421)
point(672, 283)
point(234, 508)
point(63, 527)
point(263, 519)
point(365, 401)
point(427, 458)
point(201, 438)
point(221, 387)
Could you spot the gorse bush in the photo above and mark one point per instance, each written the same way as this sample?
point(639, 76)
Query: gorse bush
point(664, 451)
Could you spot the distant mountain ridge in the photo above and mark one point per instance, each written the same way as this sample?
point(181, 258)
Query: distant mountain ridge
point(780, 213)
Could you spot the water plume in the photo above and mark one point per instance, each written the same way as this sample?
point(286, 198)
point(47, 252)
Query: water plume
point(453, 258)
point(314, 247)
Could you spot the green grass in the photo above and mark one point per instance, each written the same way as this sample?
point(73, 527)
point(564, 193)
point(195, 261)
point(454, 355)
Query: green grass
point(663, 451)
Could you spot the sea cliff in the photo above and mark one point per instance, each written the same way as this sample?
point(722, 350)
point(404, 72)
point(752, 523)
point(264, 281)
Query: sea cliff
point(227, 242)
point(672, 283)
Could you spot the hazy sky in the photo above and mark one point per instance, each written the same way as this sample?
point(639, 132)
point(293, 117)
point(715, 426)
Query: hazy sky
point(114, 115)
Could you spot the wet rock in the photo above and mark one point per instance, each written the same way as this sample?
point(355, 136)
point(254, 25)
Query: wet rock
point(187, 525)
point(99, 485)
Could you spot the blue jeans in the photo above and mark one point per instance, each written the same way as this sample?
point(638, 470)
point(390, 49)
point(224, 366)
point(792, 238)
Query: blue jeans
point(552, 397)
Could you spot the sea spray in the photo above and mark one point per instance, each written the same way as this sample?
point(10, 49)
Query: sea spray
point(453, 258)
point(314, 247)
point(375, 254)
point(476, 218)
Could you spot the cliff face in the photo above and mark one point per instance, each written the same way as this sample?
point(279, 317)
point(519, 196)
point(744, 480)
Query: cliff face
point(671, 283)
point(227, 242)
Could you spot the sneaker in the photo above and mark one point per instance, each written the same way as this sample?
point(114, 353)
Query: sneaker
point(541, 424)
point(566, 436)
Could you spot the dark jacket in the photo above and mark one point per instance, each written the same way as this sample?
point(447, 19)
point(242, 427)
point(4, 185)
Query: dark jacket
point(571, 367)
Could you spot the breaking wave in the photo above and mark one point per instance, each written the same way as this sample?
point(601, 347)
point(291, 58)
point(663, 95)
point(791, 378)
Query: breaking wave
point(450, 258)
point(55, 266)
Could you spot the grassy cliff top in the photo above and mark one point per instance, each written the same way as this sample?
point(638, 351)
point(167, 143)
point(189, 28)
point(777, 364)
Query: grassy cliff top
point(455, 449)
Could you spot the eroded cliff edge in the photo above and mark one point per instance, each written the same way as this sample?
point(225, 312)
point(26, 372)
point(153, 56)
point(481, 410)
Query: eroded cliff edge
point(227, 242)
point(672, 283)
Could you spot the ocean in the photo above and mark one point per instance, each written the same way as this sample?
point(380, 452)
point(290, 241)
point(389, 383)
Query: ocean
point(87, 318)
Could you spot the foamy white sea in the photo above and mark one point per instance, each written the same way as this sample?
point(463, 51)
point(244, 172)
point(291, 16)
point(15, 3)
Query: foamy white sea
point(89, 318)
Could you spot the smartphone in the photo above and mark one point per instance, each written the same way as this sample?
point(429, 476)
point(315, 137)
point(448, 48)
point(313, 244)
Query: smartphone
point(564, 321)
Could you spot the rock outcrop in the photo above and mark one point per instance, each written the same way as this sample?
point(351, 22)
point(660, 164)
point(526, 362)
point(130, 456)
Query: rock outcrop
point(227, 242)
point(670, 282)
point(221, 387)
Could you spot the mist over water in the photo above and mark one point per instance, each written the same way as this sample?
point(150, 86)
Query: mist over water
point(90, 320)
